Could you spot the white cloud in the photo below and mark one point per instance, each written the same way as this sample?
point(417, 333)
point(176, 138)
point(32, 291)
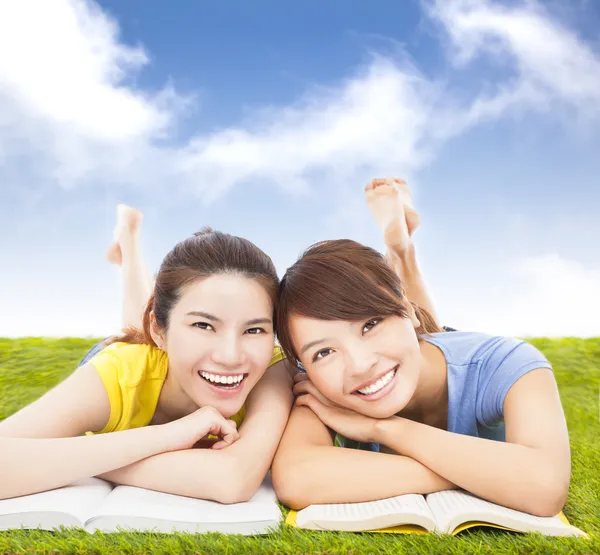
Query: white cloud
point(68, 101)
point(549, 62)
point(70, 109)
point(65, 92)
point(537, 296)
point(373, 121)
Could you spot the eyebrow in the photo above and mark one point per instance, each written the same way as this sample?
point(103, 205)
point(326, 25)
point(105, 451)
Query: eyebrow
point(313, 343)
point(213, 318)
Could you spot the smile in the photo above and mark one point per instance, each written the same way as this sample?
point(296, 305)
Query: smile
point(222, 381)
point(377, 385)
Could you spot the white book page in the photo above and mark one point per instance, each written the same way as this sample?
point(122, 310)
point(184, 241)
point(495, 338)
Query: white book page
point(130, 506)
point(71, 505)
point(370, 515)
point(452, 508)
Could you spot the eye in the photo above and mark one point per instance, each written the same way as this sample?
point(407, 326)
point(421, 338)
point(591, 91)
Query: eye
point(255, 331)
point(371, 324)
point(322, 354)
point(203, 325)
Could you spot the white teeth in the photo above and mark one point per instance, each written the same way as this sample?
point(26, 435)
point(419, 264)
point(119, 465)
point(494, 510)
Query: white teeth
point(381, 382)
point(217, 378)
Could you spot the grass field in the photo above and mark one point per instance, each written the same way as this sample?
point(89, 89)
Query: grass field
point(28, 367)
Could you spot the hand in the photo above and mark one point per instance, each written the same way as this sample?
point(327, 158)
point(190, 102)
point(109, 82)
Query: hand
point(346, 422)
point(185, 432)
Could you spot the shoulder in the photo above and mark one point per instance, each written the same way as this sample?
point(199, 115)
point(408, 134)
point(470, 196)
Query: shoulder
point(131, 362)
point(464, 347)
point(277, 355)
point(492, 355)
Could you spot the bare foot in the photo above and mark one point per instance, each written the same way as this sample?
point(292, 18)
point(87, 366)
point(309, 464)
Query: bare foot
point(128, 224)
point(391, 205)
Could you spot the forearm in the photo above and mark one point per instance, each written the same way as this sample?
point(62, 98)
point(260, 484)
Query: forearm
point(509, 474)
point(327, 474)
point(33, 465)
point(406, 267)
point(229, 475)
point(199, 473)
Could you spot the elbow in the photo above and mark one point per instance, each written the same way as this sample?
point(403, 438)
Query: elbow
point(230, 495)
point(236, 490)
point(289, 483)
point(239, 483)
point(549, 495)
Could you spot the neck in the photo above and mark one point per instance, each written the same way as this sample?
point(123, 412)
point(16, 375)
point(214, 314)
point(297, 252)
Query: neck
point(429, 404)
point(173, 402)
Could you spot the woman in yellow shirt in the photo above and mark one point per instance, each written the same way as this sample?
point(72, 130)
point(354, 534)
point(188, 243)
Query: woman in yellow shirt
point(195, 366)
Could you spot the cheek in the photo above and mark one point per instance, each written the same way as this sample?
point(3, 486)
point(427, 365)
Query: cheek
point(330, 383)
point(184, 348)
point(260, 351)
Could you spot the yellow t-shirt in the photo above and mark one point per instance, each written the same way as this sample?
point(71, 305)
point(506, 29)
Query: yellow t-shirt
point(133, 376)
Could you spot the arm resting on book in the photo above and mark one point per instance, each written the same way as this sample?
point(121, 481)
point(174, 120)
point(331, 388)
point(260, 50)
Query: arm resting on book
point(229, 475)
point(39, 447)
point(529, 472)
point(309, 469)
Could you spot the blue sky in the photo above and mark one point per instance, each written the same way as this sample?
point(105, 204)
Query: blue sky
point(266, 119)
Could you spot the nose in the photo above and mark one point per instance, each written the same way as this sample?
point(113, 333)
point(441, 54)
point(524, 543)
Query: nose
point(228, 351)
point(361, 359)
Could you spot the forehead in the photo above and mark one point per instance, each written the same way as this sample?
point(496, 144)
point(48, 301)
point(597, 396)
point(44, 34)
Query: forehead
point(226, 295)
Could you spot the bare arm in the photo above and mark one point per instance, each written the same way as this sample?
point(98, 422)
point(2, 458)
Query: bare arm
point(39, 447)
point(228, 475)
point(530, 472)
point(309, 469)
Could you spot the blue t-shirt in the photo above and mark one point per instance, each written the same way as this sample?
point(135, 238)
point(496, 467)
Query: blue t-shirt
point(481, 370)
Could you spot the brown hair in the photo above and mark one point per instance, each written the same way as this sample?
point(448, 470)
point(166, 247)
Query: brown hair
point(205, 254)
point(342, 280)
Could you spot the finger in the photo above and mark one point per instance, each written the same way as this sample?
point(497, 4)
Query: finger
point(309, 401)
point(300, 388)
point(231, 438)
point(300, 377)
point(313, 404)
point(304, 400)
point(220, 445)
point(228, 427)
point(309, 387)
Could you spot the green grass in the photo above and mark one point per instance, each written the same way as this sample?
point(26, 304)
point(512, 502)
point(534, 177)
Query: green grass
point(28, 367)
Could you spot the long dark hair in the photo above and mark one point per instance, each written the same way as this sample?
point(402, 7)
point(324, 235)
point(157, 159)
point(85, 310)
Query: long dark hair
point(202, 255)
point(342, 280)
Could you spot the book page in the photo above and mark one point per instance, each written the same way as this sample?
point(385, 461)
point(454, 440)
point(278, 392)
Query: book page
point(141, 509)
point(71, 505)
point(453, 508)
point(371, 515)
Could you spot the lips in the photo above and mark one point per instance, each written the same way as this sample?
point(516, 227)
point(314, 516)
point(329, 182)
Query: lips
point(377, 382)
point(223, 381)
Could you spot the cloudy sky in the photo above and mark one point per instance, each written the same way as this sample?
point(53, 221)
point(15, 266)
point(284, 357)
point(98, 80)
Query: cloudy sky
point(266, 119)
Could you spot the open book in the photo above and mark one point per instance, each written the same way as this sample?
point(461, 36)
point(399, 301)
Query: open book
point(94, 504)
point(443, 512)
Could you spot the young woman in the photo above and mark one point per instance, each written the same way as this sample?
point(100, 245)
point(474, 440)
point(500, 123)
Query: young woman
point(191, 367)
point(424, 410)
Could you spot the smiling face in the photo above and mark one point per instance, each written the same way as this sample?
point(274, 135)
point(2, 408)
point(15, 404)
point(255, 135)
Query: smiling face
point(371, 367)
point(220, 340)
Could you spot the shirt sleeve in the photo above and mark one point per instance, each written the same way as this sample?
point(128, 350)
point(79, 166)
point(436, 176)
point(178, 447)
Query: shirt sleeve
point(107, 365)
point(507, 361)
point(278, 355)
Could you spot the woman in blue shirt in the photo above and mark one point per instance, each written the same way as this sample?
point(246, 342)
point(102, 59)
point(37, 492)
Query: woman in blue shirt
point(424, 409)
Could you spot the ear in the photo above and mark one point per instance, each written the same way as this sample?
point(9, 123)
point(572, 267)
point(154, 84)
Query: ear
point(410, 310)
point(157, 333)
